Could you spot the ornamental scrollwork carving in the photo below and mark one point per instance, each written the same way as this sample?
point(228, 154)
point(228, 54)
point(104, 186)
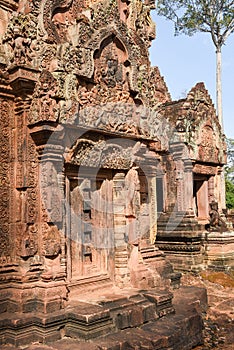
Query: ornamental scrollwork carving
point(32, 205)
point(5, 242)
point(114, 156)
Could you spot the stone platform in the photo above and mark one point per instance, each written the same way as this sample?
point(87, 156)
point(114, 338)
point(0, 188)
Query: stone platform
point(140, 320)
point(219, 250)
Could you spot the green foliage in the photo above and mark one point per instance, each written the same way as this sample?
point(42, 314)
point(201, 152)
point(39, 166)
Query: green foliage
point(229, 194)
point(229, 174)
point(229, 168)
point(215, 17)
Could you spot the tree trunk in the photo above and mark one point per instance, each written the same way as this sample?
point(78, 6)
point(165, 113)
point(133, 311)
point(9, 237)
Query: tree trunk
point(220, 116)
point(219, 85)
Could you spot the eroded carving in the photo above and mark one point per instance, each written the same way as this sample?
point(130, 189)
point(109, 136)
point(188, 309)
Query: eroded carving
point(208, 151)
point(51, 241)
point(104, 154)
point(21, 38)
point(216, 222)
point(44, 105)
point(50, 192)
point(28, 240)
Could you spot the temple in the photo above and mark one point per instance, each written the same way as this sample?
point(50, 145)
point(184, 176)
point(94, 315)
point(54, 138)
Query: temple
point(105, 181)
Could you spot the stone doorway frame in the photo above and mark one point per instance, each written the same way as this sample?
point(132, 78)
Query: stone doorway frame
point(88, 177)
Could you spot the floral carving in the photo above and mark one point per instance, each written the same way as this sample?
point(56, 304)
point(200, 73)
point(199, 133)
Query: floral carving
point(4, 240)
point(5, 243)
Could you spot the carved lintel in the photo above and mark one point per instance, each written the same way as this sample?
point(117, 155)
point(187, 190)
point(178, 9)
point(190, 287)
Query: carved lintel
point(205, 169)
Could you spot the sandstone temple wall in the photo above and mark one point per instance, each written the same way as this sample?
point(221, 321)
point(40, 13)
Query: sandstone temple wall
point(92, 151)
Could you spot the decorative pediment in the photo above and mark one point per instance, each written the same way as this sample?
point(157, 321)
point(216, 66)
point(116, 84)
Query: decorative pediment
point(199, 95)
point(93, 53)
point(103, 153)
point(195, 122)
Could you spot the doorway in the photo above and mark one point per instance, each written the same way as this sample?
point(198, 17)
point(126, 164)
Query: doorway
point(201, 197)
point(90, 228)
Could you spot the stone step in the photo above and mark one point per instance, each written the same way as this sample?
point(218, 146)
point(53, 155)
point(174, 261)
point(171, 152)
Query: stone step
point(179, 331)
point(92, 284)
point(87, 320)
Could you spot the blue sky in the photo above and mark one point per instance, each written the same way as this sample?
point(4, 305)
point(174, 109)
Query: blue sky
point(183, 61)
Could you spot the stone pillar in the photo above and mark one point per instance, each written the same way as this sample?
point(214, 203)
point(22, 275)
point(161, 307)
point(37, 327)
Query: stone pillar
point(160, 186)
point(51, 215)
point(151, 177)
point(211, 189)
point(188, 187)
point(9, 266)
point(122, 276)
point(177, 149)
point(220, 189)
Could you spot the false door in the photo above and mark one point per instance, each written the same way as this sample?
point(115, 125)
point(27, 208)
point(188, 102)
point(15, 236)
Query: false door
point(91, 226)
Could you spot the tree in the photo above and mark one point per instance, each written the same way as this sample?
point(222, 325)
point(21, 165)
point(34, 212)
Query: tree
point(229, 167)
point(229, 174)
point(215, 17)
point(229, 194)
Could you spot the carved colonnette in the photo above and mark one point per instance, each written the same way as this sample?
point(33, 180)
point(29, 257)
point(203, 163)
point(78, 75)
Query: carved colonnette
point(8, 257)
point(24, 273)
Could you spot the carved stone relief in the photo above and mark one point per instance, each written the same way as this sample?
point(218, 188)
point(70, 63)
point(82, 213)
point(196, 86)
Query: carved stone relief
point(51, 241)
point(126, 118)
point(208, 151)
point(44, 106)
point(103, 153)
point(50, 192)
point(20, 38)
point(27, 240)
point(5, 182)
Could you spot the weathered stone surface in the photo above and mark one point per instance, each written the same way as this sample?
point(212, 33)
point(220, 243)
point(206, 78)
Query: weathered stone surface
point(182, 330)
point(198, 153)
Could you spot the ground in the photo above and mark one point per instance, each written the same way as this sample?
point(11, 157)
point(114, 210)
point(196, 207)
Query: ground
point(219, 319)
